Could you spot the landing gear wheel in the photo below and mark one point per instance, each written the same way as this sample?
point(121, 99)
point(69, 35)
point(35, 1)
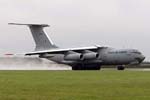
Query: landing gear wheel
point(86, 67)
point(77, 67)
point(120, 67)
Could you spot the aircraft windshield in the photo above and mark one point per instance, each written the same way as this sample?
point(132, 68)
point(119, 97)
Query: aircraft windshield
point(136, 52)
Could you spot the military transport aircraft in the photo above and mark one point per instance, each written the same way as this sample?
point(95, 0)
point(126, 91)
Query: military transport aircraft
point(83, 58)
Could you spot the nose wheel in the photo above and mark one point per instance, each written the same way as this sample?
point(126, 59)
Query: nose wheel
point(120, 67)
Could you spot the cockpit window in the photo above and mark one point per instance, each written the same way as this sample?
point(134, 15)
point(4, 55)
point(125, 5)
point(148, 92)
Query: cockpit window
point(136, 52)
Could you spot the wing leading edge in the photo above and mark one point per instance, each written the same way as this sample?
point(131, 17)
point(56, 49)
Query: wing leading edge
point(63, 51)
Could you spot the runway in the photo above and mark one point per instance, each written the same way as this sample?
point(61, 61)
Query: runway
point(30, 63)
point(35, 63)
point(138, 69)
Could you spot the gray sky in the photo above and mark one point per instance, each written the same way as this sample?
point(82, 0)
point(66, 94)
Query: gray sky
point(114, 23)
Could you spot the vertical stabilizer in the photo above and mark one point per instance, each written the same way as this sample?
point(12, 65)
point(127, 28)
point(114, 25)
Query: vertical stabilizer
point(42, 41)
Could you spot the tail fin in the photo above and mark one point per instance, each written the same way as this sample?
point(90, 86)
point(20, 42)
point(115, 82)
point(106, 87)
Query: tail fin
point(42, 41)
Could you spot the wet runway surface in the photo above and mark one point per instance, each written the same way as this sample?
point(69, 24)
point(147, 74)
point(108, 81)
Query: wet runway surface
point(138, 69)
point(29, 63)
point(35, 63)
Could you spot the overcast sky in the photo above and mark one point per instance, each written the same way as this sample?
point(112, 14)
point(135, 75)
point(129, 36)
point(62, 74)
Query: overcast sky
point(114, 23)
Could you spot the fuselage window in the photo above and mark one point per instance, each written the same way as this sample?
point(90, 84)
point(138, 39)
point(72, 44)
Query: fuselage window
point(112, 52)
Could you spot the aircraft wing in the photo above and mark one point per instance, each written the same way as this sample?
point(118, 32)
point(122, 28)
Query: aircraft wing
point(63, 51)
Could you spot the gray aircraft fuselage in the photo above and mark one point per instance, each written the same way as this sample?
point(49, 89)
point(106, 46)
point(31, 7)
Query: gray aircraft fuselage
point(108, 56)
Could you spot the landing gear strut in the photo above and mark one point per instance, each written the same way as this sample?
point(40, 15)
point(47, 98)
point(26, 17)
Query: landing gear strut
point(120, 67)
point(86, 67)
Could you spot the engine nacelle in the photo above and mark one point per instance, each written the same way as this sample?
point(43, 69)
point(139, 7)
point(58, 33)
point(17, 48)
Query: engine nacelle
point(73, 57)
point(90, 56)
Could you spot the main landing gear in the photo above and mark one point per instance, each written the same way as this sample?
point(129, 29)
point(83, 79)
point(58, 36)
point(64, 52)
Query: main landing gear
point(120, 67)
point(86, 67)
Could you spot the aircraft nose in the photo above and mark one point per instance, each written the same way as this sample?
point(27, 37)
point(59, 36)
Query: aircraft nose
point(140, 59)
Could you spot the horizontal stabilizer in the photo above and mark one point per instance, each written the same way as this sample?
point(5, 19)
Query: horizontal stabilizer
point(42, 25)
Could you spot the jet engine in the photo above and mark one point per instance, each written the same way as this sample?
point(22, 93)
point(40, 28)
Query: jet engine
point(83, 56)
point(73, 56)
point(90, 56)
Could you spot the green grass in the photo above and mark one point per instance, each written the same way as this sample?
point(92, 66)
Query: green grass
point(74, 85)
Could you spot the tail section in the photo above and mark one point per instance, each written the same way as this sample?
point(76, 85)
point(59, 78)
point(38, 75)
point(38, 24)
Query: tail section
point(42, 41)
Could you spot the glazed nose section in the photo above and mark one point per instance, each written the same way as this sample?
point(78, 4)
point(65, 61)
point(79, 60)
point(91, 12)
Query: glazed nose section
point(140, 59)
